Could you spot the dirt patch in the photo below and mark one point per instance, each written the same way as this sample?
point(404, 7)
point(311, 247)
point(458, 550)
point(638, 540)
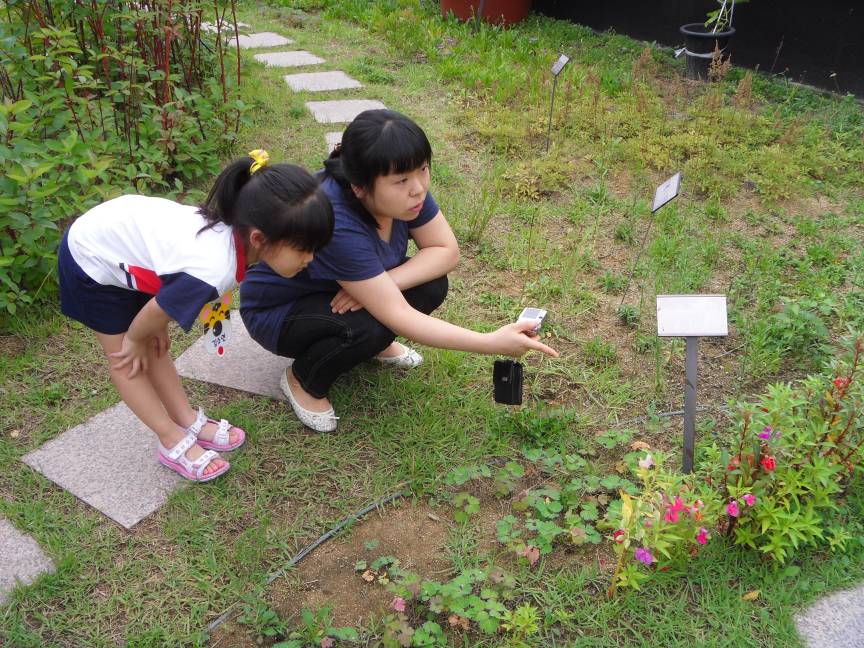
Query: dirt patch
point(413, 533)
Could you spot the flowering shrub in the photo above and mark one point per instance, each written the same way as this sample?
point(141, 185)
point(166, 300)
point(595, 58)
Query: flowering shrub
point(776, 490)
point(663, 525)
point(795, 451)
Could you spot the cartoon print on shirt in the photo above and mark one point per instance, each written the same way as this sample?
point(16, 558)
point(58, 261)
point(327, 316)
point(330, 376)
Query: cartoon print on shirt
point(217, 320)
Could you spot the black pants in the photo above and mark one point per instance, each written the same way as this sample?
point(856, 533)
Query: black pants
point(325, 345)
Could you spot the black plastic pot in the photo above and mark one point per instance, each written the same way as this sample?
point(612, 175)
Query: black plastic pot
point(700, 47)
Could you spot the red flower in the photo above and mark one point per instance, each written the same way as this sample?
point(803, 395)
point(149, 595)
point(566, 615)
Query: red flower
point(733, 463)
point(841, 383)
point(768, 463)
point(618, 536)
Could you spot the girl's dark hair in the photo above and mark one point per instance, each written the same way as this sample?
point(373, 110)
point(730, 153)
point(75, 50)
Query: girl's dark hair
point(376, 143)
point(284, 201)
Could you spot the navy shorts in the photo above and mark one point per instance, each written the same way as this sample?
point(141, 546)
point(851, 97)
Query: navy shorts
point(105, 309)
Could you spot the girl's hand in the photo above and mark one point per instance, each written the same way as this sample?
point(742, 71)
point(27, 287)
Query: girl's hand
point(162, 342)
point(519, 338)
point(132, 354)
point(343, 302)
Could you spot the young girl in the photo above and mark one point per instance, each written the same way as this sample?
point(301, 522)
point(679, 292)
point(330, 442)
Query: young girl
point(129, 266)
point(362, 290)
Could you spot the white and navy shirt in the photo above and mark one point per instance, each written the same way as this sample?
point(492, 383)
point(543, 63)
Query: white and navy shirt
point(156, 246)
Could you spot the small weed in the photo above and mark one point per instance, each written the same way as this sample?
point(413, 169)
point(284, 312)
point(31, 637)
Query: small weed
point(628, 315)
point(612, 283)
point(599, 352)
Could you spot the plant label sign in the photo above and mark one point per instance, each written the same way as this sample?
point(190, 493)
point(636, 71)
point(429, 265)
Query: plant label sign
point(559, 64)
point(692, 316)
point(666, 192)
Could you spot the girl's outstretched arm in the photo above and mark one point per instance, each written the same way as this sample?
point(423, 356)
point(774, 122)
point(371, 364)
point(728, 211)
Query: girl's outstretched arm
point(438, 254)
point(150, 322)
point(382, 298)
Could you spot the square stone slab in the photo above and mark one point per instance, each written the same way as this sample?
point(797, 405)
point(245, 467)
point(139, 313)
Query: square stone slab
point(110, 463)
point(263, 39)
point(227, 27)
point(21, 559)
point(332, 140)
point(321, 81)
point(246, 365)
point(332, 112)
point(836, 621)
point(296, 58)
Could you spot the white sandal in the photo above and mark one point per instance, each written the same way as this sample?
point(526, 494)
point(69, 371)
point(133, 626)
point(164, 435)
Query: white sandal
point(221, 441)
point(318, 421)
point(175, 458)
point(408, 359)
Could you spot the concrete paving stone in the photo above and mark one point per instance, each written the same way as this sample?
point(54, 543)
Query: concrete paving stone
point(246, 365)
point(296, 58)
point(21, 559)
point(226, 27)
point(836, 621)
point(332, 140)
point(321, 81)
point(263, 39)
point(110, 463)
point(332, 112)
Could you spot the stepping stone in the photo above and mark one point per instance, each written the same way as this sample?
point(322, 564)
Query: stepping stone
point(226, 27)
point(320, 81)
point(332, 140)
point(288, 59)
point(21, 559)
point(246, 365)
point(110, 463)
point(836, 621)
point(331, 112)
point(263, 39)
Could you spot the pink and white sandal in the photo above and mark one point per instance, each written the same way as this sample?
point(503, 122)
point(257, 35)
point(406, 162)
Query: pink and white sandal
point(220, 441)
point(175, 458)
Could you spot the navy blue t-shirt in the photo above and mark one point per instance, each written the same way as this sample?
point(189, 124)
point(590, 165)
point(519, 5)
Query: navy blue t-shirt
point(355, 253)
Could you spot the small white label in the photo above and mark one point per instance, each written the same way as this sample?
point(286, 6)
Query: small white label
point(666, 191)
point(692, 316)
point(559, 64)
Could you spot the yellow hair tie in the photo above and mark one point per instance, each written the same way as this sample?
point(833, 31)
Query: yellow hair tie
point(260, 157)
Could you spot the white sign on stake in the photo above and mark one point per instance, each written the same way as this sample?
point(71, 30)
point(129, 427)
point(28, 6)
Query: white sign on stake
point(692, 316)
point(559, 64)
point(666, 192)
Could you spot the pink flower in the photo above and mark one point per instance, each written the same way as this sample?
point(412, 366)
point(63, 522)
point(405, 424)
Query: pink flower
point(644, 555)
point(702, 538)
point(648, 523)
point(328, 642)
point(749, 499)
point(647, 461)
point(765, 434)
point(732, 509)
point(398, 604)
point(673, 510)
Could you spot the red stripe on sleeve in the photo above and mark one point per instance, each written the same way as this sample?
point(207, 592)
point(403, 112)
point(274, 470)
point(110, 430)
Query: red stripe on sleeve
point(146, 280)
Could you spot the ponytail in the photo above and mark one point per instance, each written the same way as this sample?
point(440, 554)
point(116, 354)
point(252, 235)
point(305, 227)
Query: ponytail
point(284, 201)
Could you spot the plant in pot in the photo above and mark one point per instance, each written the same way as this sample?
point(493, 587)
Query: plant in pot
point(703, 42)
point(500, 12)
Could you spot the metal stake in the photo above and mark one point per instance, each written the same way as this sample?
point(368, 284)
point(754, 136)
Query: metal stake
point(479, 13)
point(551, 109)
point(690, 382)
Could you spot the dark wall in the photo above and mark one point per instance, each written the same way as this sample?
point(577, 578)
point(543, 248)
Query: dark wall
point(815, 39)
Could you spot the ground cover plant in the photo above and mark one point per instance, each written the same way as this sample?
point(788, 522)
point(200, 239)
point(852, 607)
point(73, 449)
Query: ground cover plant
point(772, 213)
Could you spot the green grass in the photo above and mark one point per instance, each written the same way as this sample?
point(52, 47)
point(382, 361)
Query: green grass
point(772, 213)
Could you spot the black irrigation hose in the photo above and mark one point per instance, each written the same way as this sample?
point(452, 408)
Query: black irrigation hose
point(232, 611)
